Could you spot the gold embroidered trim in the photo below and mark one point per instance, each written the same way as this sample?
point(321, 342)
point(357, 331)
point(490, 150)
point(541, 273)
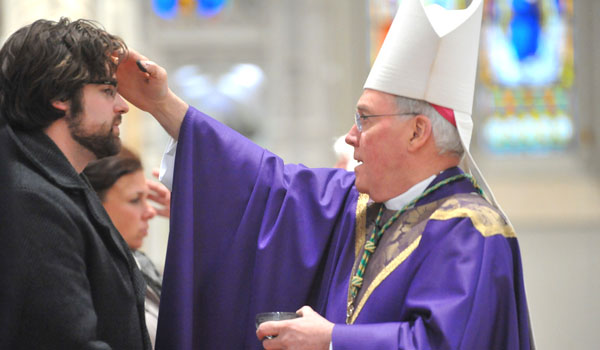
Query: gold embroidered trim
point(361, 232)
point(361, 222)
point(383, 274)
point(485, 219)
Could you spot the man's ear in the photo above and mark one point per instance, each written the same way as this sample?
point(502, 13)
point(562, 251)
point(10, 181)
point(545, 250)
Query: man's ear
point(421, 128)
point(61, 105)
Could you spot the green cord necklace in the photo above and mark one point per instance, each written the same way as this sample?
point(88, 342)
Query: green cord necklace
point(370, 246)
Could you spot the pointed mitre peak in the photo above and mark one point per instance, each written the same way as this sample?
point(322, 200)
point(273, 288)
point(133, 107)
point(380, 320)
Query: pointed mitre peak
point(430, 54)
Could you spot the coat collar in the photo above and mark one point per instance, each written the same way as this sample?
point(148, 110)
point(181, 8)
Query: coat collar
point(47, 157)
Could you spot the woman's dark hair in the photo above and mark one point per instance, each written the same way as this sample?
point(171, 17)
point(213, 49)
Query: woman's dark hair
point(48, 61)
point(104, 172)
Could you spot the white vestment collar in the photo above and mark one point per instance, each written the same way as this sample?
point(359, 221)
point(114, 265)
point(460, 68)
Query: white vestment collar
point(399, 202)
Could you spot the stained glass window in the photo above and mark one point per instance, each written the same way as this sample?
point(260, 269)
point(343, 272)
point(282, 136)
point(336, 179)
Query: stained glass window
point(525, 75)
point(526, 67)
point(169, 9)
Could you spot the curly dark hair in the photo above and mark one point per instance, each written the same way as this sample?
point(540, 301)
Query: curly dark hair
point(104, 172)
point(48, 61)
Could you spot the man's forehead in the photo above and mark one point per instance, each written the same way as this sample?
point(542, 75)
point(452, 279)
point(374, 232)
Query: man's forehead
point(373, 98)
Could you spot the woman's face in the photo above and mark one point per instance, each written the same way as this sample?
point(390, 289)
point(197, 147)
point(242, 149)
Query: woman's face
point(127, 205)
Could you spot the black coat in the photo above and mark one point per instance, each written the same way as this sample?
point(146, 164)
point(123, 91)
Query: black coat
point(68, 279)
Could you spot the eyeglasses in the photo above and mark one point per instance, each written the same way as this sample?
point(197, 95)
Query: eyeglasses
point(359, 118)
point(103, 82)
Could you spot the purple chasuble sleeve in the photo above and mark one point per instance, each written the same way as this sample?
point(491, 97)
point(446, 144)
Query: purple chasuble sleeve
point(248, 234)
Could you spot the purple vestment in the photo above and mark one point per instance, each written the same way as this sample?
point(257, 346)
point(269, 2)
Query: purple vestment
point(251, 234)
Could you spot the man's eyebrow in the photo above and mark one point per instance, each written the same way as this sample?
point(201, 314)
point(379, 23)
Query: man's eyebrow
point(362, 108)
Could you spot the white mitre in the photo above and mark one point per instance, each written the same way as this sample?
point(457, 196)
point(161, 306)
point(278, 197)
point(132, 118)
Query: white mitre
point(430, 54)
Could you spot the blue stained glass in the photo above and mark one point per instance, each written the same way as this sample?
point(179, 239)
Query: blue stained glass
point(209, 8)
point(559, 6)
point(166, 9)
point(525, 28)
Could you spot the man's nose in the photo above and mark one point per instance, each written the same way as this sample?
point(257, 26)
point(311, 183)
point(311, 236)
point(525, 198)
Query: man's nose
point(121, 107)
point(353, 136)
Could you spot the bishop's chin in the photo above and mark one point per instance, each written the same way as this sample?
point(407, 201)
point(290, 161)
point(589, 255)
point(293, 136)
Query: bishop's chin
point(360, 186)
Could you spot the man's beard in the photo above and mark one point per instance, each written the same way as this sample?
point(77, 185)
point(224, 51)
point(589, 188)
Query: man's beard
point(101, 143)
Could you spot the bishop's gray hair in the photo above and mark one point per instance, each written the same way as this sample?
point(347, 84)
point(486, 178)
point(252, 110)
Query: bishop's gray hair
point(445, 134)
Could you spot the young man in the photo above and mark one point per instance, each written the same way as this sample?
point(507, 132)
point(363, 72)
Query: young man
point(427, 263)
point(72, 281)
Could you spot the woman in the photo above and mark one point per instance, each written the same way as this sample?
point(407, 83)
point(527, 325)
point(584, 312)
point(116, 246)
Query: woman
point(125, 193)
